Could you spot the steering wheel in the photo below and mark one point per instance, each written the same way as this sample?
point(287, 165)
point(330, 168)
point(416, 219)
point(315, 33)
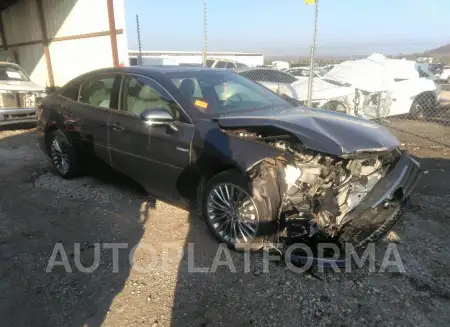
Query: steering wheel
point(235, 98)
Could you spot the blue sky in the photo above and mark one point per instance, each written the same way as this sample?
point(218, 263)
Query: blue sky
point(285, 27)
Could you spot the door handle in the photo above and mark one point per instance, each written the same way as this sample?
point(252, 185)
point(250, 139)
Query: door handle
point(117, 127)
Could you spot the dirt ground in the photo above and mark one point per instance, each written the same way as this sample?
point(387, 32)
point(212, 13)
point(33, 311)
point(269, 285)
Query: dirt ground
point(38, 210)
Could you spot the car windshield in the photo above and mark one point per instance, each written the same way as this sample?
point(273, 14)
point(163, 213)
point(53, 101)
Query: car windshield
point(219, 92)
point(12, 73)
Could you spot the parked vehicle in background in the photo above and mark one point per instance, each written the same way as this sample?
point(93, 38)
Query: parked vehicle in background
point(281, 65)
point(223, 63)
point(416, 91)
point(301, 73)
point(374, 87)
point(255, 165)
point(273, 79)
point(445, 74)
point(18, 95)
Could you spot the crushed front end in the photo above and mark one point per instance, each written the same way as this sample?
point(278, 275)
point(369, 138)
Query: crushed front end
point(18, 106)
point(352, 198)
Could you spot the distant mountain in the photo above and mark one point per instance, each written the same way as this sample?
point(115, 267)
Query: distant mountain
point(443, 51)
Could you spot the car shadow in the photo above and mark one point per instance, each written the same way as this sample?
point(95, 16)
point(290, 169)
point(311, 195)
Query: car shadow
point(57, 264)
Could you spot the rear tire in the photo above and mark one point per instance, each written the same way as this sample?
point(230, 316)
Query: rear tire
point(232, 215)
point(63, 156)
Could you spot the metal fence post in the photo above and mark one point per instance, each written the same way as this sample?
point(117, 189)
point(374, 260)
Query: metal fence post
point(313, 51)
point(205, 36)
point(139, 41)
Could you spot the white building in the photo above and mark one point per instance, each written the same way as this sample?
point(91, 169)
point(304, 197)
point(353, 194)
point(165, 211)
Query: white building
point(57, 40)
point(192, 57)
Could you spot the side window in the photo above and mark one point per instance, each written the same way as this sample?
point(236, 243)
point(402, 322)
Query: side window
point(98, 91)
point(142, 93)
point(71, 91)
point(231, 65)
point(221, 64)
point(209, 62)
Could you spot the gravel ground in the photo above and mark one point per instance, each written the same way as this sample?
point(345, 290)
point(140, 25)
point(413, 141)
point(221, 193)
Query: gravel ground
point(38, 210)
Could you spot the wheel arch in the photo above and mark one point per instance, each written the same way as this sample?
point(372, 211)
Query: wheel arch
point(427, 96)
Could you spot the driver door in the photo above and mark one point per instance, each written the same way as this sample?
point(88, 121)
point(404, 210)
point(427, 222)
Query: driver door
point(154, 156)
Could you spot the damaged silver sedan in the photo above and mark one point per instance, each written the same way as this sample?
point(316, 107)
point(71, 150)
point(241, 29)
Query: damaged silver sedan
point(18, 95)
point(259, 169)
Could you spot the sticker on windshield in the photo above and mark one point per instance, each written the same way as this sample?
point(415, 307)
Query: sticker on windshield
point(15, 75)
point(201, 104)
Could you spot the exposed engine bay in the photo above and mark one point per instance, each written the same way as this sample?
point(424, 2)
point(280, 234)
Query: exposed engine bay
point(316, 190)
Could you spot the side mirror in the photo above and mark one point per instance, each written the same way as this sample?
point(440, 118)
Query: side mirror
point(158, 116)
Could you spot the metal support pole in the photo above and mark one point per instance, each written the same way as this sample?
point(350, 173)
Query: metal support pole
point(205, 36)
point(112, 33)
point(313, 53)
point(45, 42)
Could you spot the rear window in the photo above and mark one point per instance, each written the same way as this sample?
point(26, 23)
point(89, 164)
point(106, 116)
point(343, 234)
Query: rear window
point(71, 91)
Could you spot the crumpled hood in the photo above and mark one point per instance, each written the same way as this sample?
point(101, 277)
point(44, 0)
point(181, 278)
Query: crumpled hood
point(324, 131)
point(20, 86)
point(371, 74)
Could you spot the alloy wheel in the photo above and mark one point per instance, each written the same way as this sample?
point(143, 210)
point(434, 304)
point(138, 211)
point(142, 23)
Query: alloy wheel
point(232, 213)
point(419, 111)
point(60, 156)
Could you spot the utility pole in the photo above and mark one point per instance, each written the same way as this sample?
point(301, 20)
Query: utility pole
point(139, 41)
point(313, 53)
point(205, 35)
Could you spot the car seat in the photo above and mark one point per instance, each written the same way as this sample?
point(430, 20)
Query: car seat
point(149, 98)
point(187, 89)
point(97, 93)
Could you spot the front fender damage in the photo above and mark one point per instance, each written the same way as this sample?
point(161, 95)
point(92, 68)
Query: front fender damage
point(313, 196)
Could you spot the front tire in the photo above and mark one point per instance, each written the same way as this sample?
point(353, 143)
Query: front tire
point(63, 156)
point(337, 106)
point(232, 215)
point(423, 106)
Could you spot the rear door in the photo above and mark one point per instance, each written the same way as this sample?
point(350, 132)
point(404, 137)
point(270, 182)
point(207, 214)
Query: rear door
point(86, 110)
point(155, 156)
point(98, 96)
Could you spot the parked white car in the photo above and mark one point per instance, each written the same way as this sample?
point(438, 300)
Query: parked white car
point(445, 75)
point(271, 78)
point(302, 73)
point(223, 63)
point(374, 87)
point(18, 95)
point(281, 65)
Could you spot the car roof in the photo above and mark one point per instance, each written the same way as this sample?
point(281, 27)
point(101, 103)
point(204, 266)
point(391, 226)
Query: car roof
point(245, 69)
point(152, 69)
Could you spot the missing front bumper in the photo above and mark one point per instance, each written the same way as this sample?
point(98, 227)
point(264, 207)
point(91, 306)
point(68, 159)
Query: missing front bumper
point(373, 217)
